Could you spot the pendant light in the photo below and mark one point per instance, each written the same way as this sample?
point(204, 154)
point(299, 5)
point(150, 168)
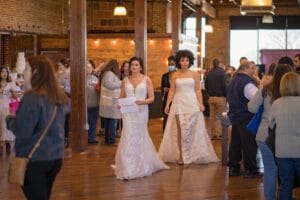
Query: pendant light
point(120, 9)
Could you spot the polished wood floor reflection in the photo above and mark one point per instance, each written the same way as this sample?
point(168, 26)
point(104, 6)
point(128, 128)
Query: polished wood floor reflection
point(89, 176)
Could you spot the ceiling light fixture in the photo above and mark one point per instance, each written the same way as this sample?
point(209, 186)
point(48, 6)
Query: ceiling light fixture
point(257, 6)
point(120, 9)
point(267, 19)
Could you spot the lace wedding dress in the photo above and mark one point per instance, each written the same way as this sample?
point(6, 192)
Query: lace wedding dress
point(136, 155)
point(186, 119)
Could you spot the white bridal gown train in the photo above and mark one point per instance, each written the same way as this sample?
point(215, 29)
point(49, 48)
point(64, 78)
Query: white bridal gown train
point(186, 119)
point(136, 155)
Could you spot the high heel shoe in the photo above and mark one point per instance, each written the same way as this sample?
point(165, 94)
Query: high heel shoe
point(180, 162)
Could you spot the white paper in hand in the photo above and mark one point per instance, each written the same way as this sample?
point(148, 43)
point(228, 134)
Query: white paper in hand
point(128, 105)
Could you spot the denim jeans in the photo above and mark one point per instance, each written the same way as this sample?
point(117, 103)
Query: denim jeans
point(93, 115)
point(110, 126)
point(270, 171)
point(287, 168)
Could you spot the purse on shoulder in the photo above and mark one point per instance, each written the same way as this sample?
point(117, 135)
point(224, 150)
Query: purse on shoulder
point(17, 169)
point(254, 123)
point(18, 165)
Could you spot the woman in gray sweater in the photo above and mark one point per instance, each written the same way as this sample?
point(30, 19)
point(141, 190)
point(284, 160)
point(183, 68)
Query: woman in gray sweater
point(92, 101)
point(285, 115)
point(266, 95)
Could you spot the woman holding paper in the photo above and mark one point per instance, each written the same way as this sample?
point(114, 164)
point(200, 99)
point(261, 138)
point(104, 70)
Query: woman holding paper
point(185, 138)
point(136, 155)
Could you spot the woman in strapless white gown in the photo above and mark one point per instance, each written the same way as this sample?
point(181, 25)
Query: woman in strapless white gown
point(185, 137)
point(136, 155)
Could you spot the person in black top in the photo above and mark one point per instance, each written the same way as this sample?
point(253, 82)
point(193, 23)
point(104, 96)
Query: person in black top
point(165, 86)
point(215, 84)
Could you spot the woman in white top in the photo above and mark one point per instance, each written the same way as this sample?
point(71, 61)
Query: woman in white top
point(185, 138)
point(136, 155)
point(7, 93)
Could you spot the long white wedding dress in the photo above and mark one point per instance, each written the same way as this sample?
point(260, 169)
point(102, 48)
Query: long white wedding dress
point(136, 155)
point(186, 119)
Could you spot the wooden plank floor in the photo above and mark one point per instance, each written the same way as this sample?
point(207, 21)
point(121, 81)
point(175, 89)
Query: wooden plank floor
point(89, 176)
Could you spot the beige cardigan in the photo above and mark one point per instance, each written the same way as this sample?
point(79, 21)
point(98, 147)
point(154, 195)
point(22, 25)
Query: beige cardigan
point(110, 92)
point(285, 113)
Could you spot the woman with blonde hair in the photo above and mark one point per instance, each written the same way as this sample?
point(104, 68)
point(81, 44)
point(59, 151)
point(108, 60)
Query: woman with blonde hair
point(35, 110)
point(266, 96)
point(285, 116)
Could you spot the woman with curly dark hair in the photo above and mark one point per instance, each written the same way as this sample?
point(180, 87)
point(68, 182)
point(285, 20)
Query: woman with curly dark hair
point(185, 138)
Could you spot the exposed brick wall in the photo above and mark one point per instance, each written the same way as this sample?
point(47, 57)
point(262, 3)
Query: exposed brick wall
point(100, 17)
point(159, 50)
point(98, 49)
point(218, 42)
point(6, 55)
point(42, 16)
point(159, 16)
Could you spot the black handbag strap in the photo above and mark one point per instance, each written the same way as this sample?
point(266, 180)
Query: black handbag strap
point(37, 144)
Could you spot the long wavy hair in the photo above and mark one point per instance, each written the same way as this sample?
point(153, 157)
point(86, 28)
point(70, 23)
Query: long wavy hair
point(112, 66)
point(273, 88)
point(43, 80)
point(7, 71)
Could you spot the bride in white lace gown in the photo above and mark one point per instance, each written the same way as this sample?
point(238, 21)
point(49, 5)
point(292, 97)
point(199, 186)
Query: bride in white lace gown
point(136, 155)
point(185, 137)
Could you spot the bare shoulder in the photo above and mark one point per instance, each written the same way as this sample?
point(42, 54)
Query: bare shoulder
point(174, 75)
point(195, 74)
point(148, 79)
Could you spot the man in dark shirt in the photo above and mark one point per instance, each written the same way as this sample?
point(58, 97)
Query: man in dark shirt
point(242, 144)
point(165, 86)
point(215, 85)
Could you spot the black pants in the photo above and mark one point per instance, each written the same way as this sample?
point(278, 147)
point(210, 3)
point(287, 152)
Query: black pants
point(242, 145)
point(39, 179)
point(67, 126)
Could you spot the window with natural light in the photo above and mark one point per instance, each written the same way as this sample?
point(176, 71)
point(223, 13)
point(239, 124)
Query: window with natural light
point(293, 39)
point(242, 43)
point(190, 26)
point(248, 43)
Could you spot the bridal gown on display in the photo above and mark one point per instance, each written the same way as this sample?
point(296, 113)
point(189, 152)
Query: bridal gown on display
point(186, 119)
point(136, 155)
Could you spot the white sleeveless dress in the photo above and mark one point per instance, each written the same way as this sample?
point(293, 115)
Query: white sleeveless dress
point(136, 155)
point(196, 146)
point(5, 134)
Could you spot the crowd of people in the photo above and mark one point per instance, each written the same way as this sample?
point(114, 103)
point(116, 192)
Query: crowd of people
point(234, 93)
